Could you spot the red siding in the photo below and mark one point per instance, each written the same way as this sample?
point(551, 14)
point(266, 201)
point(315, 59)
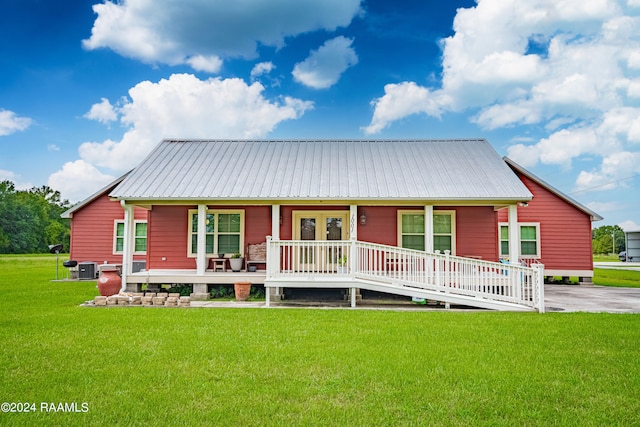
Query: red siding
point(168, 234)
point(92, 231)
point(565, 231)
point(476, 232)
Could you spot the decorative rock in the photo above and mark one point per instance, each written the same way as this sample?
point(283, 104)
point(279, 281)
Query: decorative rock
point(184, 302)
point(101, 301)
point(123, 300)
point(162, 294)
point(138, 294)
point(147, 300)
point(171, 302)
point(174, 294)
point(150, 294)
point(112, 300)
point(158, 300)
point(136, 300)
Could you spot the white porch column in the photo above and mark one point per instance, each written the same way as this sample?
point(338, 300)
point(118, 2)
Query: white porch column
point(201, 256)
point(275, 222)
point(428, 228)
point(128, 243)
point(273, 258)
point(353, 222)
point(514, 235)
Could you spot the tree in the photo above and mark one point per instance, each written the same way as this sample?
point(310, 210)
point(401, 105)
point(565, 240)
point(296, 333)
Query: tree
point(30, 220)
point(604, 243)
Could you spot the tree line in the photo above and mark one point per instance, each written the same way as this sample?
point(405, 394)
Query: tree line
point(608, 239)
point(30, 219)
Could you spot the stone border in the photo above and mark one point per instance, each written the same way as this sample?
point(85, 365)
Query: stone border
point(142, 299)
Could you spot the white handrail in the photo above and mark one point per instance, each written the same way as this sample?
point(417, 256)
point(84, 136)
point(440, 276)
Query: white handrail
point(356, 260)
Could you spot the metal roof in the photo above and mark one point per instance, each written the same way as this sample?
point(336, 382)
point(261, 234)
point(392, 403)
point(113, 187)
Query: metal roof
point(322, 169)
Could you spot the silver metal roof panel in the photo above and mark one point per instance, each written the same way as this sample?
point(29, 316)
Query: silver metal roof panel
point(322, 169)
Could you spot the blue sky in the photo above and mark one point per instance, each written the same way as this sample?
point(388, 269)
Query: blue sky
point(87, 89)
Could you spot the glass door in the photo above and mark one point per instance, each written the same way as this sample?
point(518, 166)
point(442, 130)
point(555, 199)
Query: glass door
point(320, 226)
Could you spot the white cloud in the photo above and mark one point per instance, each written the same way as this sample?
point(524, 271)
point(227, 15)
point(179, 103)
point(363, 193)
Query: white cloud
point(401, 100)
point(323, 67)
point(78, 180)
point(261, 68)
point(168, 32)
point(182, 106)
point(629, 225)
point(210, 64)
point(567, 67)
point(103, 112)
point(53, 147)
point(10, 122)
point(6, 175)
point(615, 169)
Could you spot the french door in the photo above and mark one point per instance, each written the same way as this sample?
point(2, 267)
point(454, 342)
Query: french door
point(321, 227)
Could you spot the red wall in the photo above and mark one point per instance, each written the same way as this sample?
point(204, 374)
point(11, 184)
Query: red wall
point(92, 231)
point(168, 243)
point(476, 229)
point(565, 231)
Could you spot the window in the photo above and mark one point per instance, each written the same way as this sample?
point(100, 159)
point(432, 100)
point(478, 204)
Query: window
point(224, 232)
point(529, 240)
point(140, 237)
point(411, 230)
point(443, 232)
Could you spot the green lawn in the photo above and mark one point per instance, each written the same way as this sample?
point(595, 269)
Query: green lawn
point(160, 366)
point(618, 278)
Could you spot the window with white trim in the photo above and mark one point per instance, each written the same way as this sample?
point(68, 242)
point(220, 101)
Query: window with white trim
point(411, 230)
point(224, 232)
point(140, 237)
point(529, 240)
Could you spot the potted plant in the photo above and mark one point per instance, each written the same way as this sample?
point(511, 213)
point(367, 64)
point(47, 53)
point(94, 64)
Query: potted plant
point(242, 290)
point(236, 262)
point(342, 265)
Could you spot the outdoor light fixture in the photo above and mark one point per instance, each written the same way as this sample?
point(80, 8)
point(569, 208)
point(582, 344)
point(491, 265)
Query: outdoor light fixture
point(523, 204)
point(363, 218)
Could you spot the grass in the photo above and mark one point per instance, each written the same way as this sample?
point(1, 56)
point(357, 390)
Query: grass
point(146, 366)
point(617, 278)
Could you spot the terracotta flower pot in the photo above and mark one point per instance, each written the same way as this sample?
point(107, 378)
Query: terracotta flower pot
point(109, 282)
point(242, 290)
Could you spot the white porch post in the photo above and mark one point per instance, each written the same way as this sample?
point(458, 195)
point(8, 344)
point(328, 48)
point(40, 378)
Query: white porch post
point(201, 256)
point(428, 228)
point(514, 235)
point(128, 243)
point(275, 222)
point(514, 248)
point(353, 252)
point(353, 222)
point(273, 260)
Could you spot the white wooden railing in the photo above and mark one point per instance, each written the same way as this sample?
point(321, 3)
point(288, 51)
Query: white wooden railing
point(362, 261)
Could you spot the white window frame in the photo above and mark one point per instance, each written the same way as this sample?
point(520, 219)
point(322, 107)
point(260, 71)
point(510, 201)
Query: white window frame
point(115, 236)
point(451, 213)
point(520, 225)
point(216, 212)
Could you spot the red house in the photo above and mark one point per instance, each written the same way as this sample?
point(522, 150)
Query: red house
point(430, 219)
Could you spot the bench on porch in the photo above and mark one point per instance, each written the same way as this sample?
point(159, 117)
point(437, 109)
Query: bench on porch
point(256, 254)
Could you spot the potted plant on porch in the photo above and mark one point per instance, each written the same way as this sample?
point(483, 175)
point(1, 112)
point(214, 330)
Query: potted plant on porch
point(342, 265)
point(235, 262)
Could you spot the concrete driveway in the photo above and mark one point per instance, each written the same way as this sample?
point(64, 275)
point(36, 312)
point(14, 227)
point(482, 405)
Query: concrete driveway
point(595, 299)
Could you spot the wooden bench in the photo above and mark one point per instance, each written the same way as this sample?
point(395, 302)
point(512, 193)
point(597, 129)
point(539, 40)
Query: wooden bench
point(256, 254)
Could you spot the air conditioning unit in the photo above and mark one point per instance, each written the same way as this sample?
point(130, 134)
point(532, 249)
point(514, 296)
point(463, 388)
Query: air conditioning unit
point(87, 270)
point(137, 266)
